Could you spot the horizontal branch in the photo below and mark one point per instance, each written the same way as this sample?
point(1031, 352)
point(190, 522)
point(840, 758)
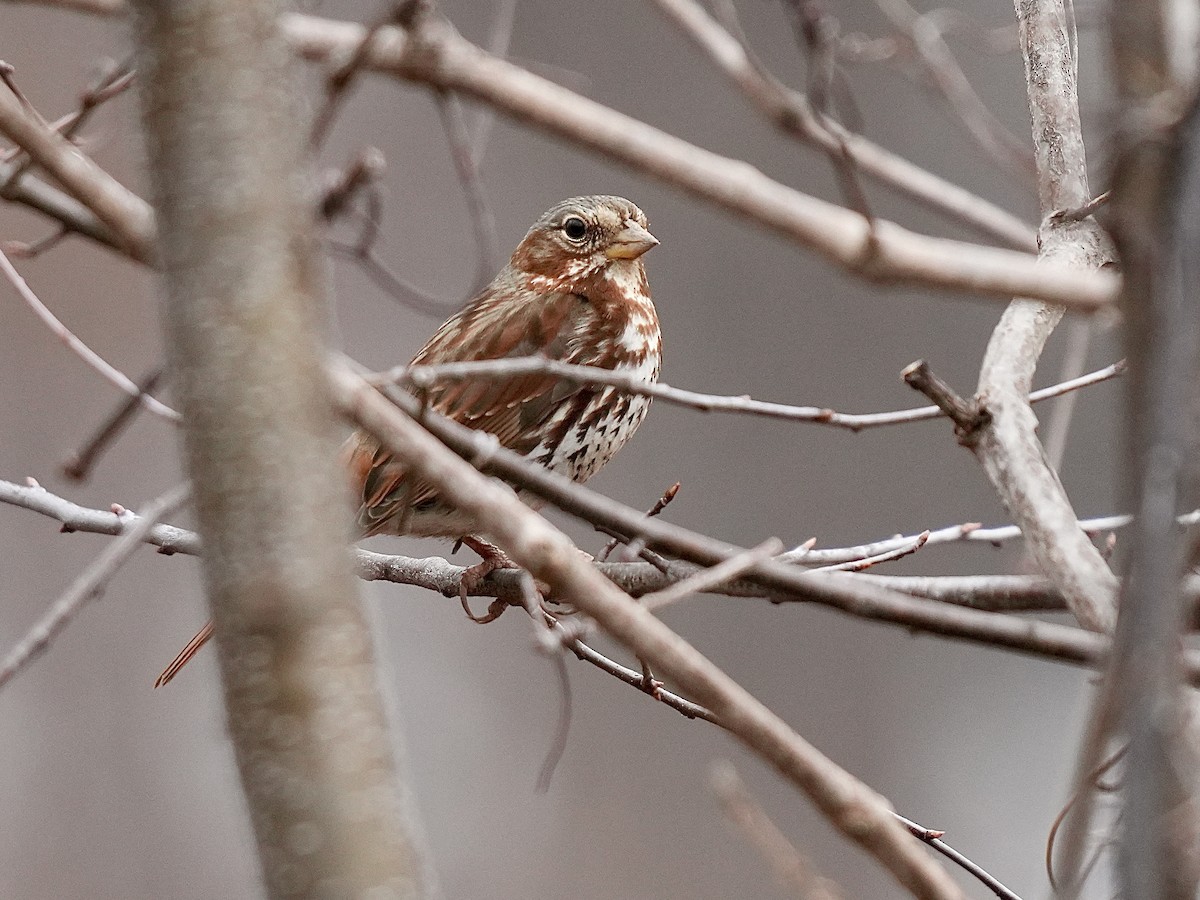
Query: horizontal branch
point(968, 531)
point(961, 608)
point(89, 585)
point(425, 376)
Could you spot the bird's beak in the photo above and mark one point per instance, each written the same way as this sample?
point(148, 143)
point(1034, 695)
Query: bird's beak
point(631, 242)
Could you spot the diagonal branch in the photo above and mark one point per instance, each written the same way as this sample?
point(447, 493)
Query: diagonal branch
point(129, 217)
point(792, 112)
point(859, 813)
point(91, 583)
point(434, 54)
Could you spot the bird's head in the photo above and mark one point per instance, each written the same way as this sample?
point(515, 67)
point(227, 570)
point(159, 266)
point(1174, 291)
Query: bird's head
point(579, 238)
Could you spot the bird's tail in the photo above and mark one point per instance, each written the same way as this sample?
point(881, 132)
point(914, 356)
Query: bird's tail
point(181, 660)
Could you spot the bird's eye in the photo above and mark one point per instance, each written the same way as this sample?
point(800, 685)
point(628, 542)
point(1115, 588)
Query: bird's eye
point(574, 228)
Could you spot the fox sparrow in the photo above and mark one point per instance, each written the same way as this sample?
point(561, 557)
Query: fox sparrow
point(575, 290)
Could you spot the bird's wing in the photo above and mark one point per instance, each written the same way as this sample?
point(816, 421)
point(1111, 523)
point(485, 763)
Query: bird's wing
point(513, 409)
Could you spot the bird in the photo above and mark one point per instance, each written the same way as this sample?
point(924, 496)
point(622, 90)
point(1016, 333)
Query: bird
point(575, 290)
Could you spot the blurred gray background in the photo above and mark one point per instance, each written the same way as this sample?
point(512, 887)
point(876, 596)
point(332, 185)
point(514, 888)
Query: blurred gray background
point(112, 790)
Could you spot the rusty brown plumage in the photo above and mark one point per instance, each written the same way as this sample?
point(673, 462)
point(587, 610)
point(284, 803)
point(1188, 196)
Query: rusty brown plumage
point(575, 290)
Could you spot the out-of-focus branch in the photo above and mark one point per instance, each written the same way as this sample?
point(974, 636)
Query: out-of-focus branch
point(790, 866)
point(948, 78)
point(854, 809)
point(1007, 445)
point(1156, 194)
point(793, 113)
point(128, 217)
point(79, 464)
point(89, 356)
point(54, 204)
point(244, 313)
point(462, 154)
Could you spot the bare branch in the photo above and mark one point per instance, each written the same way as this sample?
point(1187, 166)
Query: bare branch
point(706, 579)
point(1156, 192)
point(860, 814)
point(91, 583)
point(244, 316)
point(792, 112)
point(55, 204)
point(866, 562)
point(434, 54)
point(965, 416)
point(878, 250)
point(74, 517)
point(462, 154)
point(78, 466)
point(856, 598)
point(968, 531)
point(128, 216)
point(92, 359)
point(1007, 445)
point(939, 63)
point(424, 376)
point(934, 840)
point(789, 864)
point(873, 597)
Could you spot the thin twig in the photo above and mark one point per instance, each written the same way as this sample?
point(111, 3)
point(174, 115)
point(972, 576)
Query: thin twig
point(967, 531)
point(365, 170)
point(936, 58)
point(91, 582)
point(499, 39)
point(338, 82)
point(483, 221)
point(659, 505)
point(425, 376)
point(792, 113)
point(709, 578)
point(93, 360)
point(634, 679)
point(396, 287)
point(867, 562)
point(1079, 213)
point(1079, 342)
point(934, 840)
point(965, 416)
point(127, 215)
point(78, 466)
